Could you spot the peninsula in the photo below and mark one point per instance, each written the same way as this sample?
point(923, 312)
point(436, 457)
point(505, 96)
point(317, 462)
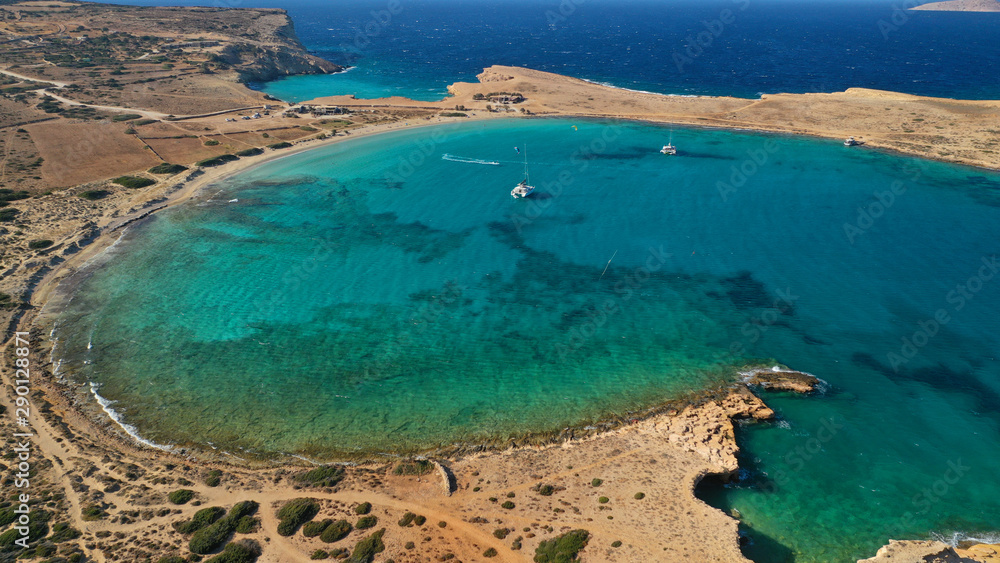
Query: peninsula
point(111, 113)
point(961, 6)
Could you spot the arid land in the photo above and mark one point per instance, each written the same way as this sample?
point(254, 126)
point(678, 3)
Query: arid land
point(91, 93)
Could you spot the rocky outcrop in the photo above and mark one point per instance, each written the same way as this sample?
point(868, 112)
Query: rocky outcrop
point(777, 379)
point(259, 63)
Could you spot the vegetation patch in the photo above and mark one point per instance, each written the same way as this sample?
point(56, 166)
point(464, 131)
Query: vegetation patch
point(214, 478)
point(490, 553)
point(39, 244)
point(180, 496)
point(407, 519)
point(314, 528)
point(281, 145)
point(209, 538)
point(133, 182)
point(247, 525)
point(295, 513)
point(363, 508)
point(94, 195)
point(7, 214)
point(366, 522)
point(145, 121)
point(217, 160)
point(93, 512)
point(251, 152)
point(562, 548)
point(8, 195)
point(546, 490)
point(202, 518)
point(640, 496)
point(415, 467)
point(596, 483)
point(453, 114)
point(336, 531)
point(308, 129)
point(212, 143)
point(243, 551)
point(367, 548)
point(167, 168)
point(126, 117)
point(508, 505)
point(325, 476)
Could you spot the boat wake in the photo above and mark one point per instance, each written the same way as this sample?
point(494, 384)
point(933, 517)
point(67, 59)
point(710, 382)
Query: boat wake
point(462, 159)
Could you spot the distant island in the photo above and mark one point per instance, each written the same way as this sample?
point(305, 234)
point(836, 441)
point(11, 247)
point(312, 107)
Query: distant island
point(961, 6)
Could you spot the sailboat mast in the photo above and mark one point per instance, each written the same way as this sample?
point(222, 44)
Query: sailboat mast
point(526, 163)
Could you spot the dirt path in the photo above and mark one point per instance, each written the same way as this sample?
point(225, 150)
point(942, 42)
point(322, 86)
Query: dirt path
point(23, 77)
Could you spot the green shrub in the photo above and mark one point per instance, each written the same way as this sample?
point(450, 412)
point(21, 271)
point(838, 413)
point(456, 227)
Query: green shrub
point(243, 551)
point(145, 121)
point(501, 533)
point(640, 496)
point(453, 114)
point(366, 522)
point(339, 553)
point(281, 145)
point(563, 548)
point(419, 520)
point(133, 182)
point(39, 244)
point(295, 513)
point(93, 512)
point(201, 519)
point(171, 559)
point(211, 143)
point(308, 129)
point(366, 549)
point(596, 483)
point(167, 168)
point(217, 160)
point(407, 519)
point(63, 532)
point(336, 531)
point(247, 525)
point(7, 514)
point(7, 214)
point(325, 476)
point(415, 467)
point(508, 505)
point(126, 117)
point(546, 490)
point(180, 496)
point(314, 528)
point(214, 478)
point(250, 152)
point(616, 543)
point(604, 500)
point(490, 553)
point(319, 554)
point(241, 509)
point(209, 538)
point(442, 524)
point(363, 508)
point(94, 195)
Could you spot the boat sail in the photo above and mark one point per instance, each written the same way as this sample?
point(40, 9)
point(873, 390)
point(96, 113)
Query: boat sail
point(523, 189)
point(669, 148)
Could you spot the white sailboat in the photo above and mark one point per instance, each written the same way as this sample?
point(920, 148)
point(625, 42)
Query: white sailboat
point(523, 189)
point(669, 148)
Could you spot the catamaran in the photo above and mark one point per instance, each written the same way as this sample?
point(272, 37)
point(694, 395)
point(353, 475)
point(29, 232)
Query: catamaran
point(851, 142)
point(669, 148)
point(523, 189)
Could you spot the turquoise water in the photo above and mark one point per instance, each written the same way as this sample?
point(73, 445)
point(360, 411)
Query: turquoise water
point(371, 296)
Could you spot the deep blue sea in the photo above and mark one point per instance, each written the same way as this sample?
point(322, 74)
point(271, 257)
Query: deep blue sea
point(740, 48)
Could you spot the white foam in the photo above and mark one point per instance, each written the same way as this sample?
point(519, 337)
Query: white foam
point(957, 537)
point(128, 428)
point(609, 85)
